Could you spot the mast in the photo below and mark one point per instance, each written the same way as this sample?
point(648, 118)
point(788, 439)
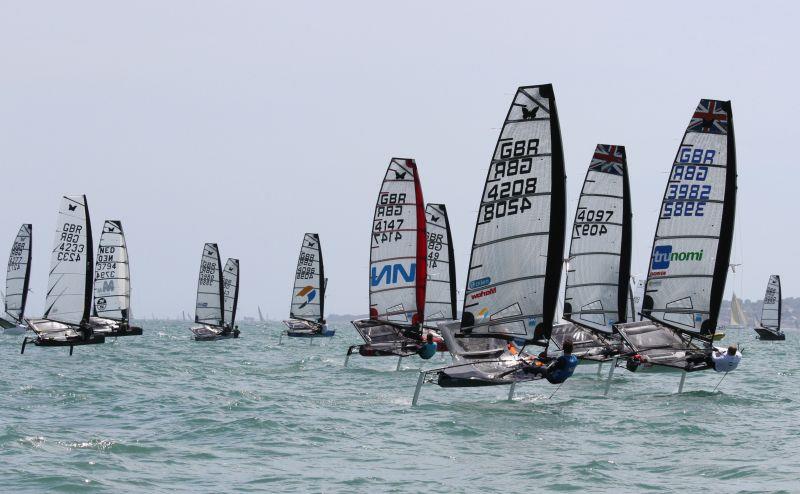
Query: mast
point(398, 248)
point(692, 246)
point(598, 289)
point(517, 250)
point(440, 303)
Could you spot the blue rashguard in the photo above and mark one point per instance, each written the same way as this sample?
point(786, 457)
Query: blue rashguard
point(562, 369)
point(427, 350)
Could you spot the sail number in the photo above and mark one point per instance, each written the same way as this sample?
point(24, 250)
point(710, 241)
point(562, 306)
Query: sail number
point(70, 248)
point(589, 222)
point(512, 167)
point(525, 147)
point(435, 243)
point(507, 207)
point(208, 271)
point(513, 188)
point(305, 266)
point(105, 267)
point(687, 199)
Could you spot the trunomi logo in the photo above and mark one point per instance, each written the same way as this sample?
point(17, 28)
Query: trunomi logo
point(475, 284)
point(663, 256)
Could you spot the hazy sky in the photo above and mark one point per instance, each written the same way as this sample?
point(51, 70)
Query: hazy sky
point(249, 123)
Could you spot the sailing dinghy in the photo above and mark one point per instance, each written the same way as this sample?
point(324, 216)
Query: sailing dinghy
point(517, 253)
point(691, 250)
point(598, 292)
point(112, 284)
point(18, 278)
point(307, 313)
point(398, 267)
point(770, 327)
point(69, 287)
point(209, 309)
point(738, 317)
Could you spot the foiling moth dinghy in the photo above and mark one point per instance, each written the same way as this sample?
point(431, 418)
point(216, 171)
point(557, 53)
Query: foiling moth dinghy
point(598, 292)
point(770, 328)
point(69, 287)
point(397, 267)
point(307, 312)
point(691, 252)
point(18, 278)
point(112, 284)
point(517, 251)
point(210, 309)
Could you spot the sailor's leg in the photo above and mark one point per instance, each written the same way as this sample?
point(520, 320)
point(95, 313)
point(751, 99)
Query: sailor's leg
point(610, 375)
point(420, 382)
point(399, 360)
point(683, 379)
point(511, 391)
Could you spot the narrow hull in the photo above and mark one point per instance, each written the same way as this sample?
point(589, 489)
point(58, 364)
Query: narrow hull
point(92, 340)
point(213, 333)
point(770, 335)
point(297, 328)
point(311, 334)
point(656, 348)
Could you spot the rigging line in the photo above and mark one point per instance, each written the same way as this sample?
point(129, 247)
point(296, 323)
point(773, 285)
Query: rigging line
point(720, 382)
point(556, 391)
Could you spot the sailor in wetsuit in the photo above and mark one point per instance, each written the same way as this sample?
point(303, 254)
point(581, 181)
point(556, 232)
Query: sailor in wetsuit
point(560, 369)
point(726, 361)
point(428, 349)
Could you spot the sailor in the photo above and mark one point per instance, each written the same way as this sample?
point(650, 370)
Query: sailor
point(726, 361)
point(560, 369)
point(428, 349)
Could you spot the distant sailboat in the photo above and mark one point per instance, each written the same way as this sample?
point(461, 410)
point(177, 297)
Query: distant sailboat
point(260, 315)
point(112, 284)
point(598, 294)
point(691, 250)
point(517, 253)
point(69, 288)
point(18, 278)
point(738, 317)
point(209, 308)
point(230, 282)
point(398, 267)
point(770, 327)
point(307, 311)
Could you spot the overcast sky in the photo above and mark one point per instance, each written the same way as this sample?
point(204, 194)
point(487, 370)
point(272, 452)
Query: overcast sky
point(249, 123)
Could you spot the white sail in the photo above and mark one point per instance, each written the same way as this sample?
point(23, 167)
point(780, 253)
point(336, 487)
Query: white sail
point(440, 292)
point(230, 277)
point(631, 312)
point(517, 251)
point(208, 309)
point(308, 293)
point(691, 249)
point(69, 287)
point(260, 315)
point(112, 281)
point(397, 254)
point(597, 289)
point(771, 310)
point(19, 273)
point(738, 317)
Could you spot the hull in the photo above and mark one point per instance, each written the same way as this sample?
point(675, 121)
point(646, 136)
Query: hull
point(658, 348)
point(297, 328)
point(770, 335)
point(213, 333)
point(589, 346)
point(112, 328)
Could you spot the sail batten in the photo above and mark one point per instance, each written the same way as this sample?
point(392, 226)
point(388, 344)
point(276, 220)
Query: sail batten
point(210, 297)
point(691, 248)
point(398, 252)
point(18, 273)
point(308, 293)
point(515, 265)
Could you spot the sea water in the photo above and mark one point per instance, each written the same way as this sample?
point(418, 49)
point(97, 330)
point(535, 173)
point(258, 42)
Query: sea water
point(163, 413)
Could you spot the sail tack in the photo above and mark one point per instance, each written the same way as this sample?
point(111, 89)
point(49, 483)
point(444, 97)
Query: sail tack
point(208, 309)
point(440, 292)
point(598, 277)
point(308, 294)
point(691, 249)
point(771, 310)
point(230, 278)
point(112, 281)
point(19, 273)
point(69, 287)
point(515, 267)
point(398, 268)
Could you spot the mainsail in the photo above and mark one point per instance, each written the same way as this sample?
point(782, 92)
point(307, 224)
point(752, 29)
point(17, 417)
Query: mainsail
point(18, 274)
point(598, 279)
point(771, 311)
point(230, 277)
point(208, 309)
point(692, 244)
point(308, 294)
point(112, 282)
point(69, 287)
point(398, 248)
point(738, 317)
point(440, 303)
point(515, 266)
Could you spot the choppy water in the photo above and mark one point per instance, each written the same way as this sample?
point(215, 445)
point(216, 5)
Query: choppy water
point(162, 413)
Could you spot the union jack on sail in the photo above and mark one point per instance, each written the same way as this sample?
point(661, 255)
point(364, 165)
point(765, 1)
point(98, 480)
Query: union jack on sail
point(608, 159)
point(710, 117)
